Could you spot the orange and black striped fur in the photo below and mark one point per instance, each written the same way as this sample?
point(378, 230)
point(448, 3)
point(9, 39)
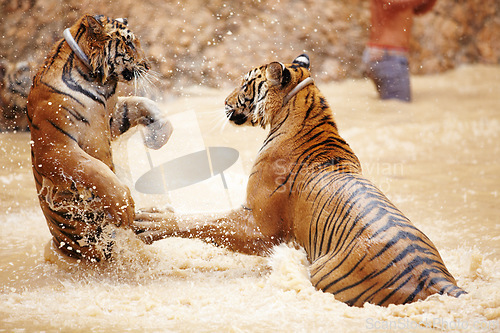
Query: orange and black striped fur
point(15, 83)
point(306, 186)
point(74, 115)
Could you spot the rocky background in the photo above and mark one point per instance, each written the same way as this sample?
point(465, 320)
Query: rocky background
point(211, 42)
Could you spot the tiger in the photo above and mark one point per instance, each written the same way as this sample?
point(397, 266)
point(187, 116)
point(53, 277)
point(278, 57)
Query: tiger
point(74, 114)
point(15, 83)
point(306, 187)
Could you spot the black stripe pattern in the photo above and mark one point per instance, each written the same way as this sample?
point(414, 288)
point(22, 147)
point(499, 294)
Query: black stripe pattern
point(362, 248)
point(66, 95)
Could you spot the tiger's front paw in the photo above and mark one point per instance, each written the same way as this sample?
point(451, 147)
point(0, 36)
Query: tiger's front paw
point(146, 231)
point(157, 133)
point(154, 225)
point(165, 209)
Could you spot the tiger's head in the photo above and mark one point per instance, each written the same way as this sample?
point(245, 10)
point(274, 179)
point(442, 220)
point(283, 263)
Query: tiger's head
point(113, 51)
point(15, 84)
point(264, 91)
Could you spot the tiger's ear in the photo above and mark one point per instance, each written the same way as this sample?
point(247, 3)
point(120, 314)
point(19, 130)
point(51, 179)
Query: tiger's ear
point(274, 72)
point(302, 60)
point(277, 74)
point(94, 27)
point(122, 20)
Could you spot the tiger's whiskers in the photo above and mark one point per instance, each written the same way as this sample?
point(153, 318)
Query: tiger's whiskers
point(225, 121)
point(218, 119)
point(146, 81)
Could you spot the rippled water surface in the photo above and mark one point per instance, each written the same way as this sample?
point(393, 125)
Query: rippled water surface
point(437, 159)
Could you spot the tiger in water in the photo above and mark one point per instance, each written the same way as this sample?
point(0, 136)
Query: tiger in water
point(74, 114)
point(15, 84)
point(306, 187)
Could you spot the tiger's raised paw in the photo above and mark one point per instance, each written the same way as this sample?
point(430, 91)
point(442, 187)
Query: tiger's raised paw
point(157, 134)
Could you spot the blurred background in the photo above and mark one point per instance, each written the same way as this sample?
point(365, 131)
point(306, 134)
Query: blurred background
point(211, 42)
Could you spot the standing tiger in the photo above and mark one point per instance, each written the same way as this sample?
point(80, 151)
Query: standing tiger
point(74, 115)
point(306, 186)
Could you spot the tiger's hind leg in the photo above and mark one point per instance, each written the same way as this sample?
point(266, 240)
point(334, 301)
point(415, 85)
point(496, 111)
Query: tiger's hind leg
point(355, 279)
point(333, 274)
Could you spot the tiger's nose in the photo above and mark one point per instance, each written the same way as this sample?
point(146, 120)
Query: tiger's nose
point(146, 65)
